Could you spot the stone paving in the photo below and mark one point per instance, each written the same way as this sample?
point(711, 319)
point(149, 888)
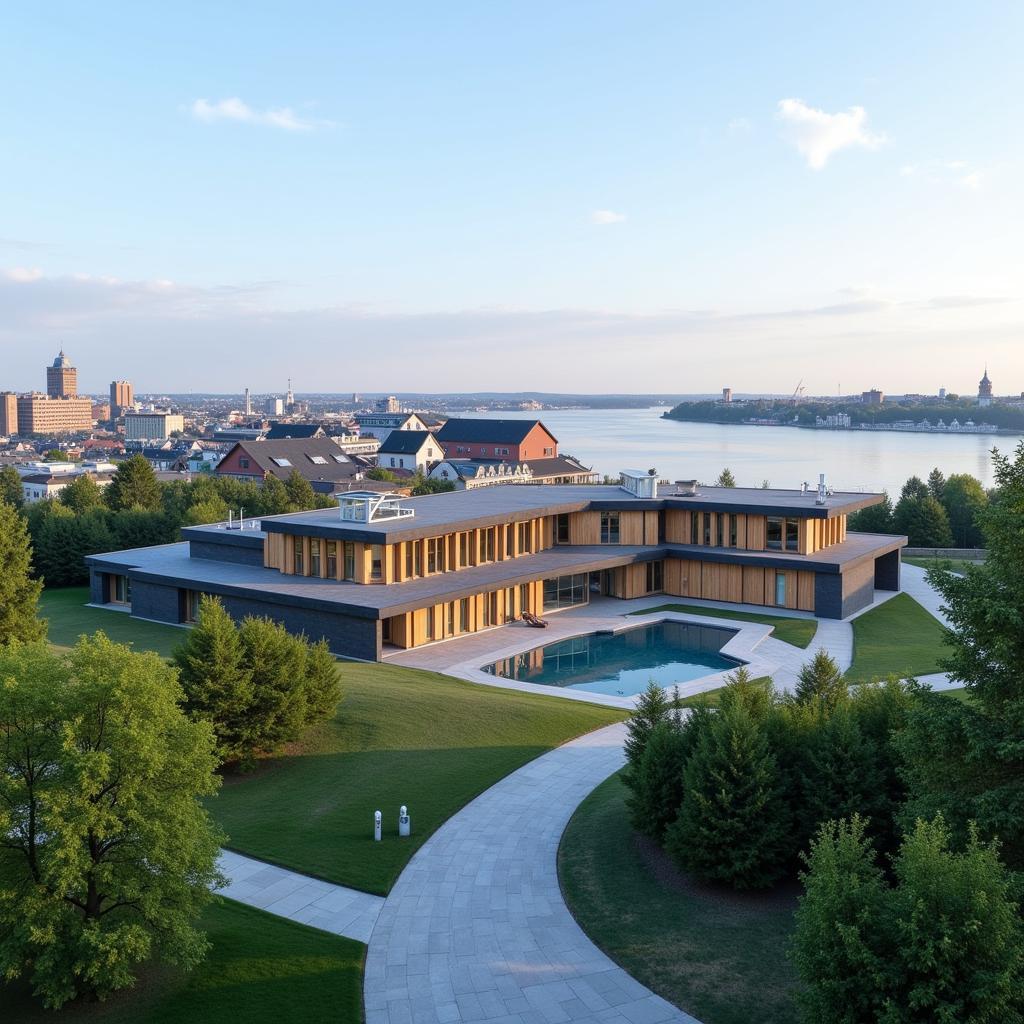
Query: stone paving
point(332, 908)
point(476, 929)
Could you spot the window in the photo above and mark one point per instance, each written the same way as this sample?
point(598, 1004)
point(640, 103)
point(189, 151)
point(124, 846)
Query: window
point(524, 537)
point(332, 559)
point(314, 557)
point(510, 540)
point(549, 453)
point(773, 535)
point(792, 535)
point(120, 590)
point(510, 604)
point(566, 591)
point(318, 460)
point(430, 623)
point(281, 462)
point(435, 555)
point(449, 618)
point(486, 606)
point(340, 458)
point(694, 527)
point(192, 598)
point(464, 615)
point(376, 561)
point(733, 531)
point(524, 597)
point(297, 548)
point(350, 561)
point(723, 526)
point(392, 460)
point(501, 451)
point(609, 527)
point(243, 463)
point(780, 589)
point(655, 577)
point(562, 528)
point(488, 542)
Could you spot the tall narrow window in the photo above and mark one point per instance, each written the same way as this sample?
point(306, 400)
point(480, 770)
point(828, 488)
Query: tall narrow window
point(430, 622)
point(332, 559)
point(463, 549)
point(562, 528)
point(609, 527)
point(733, 530)
point(510, 604)
point(792, 535)
point(524, 597)
point(450, 618)
point(510, 540)
point(695, 527)
point(655, 577)
point(376, 561)
point(723, 528)
point(708, 517)
point(464, 615)
point(409, 545)
point(773, 536)
point(314, 556)
point(350, 560)
point(780, 589)
point(297, 547)
point(524, 538)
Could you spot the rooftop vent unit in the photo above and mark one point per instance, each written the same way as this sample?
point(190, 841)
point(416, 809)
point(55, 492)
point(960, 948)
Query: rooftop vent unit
point(686, 488)
point(371, 507)
point(641, 483)
point(823, 491)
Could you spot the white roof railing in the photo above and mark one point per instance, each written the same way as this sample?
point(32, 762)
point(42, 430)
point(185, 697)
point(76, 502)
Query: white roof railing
point(371, 507)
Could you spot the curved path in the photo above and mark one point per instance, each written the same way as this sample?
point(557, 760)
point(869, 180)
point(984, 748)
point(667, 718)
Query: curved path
point(476, 929)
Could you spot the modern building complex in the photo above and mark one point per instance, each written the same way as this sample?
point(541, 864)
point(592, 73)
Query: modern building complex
point(61, 378)
point(383, 571)
point(122, 397)
point(152, 426)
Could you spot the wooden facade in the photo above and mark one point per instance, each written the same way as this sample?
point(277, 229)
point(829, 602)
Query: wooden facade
point(739, 584)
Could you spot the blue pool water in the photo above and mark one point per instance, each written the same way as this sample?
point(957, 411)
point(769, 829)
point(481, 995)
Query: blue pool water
point(622, 664)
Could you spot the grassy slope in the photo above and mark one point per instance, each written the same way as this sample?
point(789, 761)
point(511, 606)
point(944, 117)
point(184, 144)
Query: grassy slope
point(401, 736)
point(798, 632)
point(721, 959)
point(898, 637)
point(261, 968)
point(953, 564)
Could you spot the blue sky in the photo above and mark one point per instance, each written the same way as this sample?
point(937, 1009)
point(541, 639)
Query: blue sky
point(572, 196)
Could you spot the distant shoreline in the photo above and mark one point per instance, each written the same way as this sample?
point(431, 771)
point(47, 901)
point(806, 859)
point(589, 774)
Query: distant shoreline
point(880, 428)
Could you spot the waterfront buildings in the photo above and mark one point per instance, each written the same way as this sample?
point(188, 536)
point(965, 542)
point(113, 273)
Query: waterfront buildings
point(381, 571)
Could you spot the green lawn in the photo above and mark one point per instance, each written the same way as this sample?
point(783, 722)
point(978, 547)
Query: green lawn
point(898, 637)
point(953, 564)
point(798, 632)
point(716, 955)
point(262, 969)
point(69, 618)
point(401, 736)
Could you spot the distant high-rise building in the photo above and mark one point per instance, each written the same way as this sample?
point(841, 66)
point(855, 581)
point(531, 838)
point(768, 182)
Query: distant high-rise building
point(152, 426)
point(289, 401)
point(44, 414)
point(122, 397)
point(727, 395)
point(61, 378)
point(248, 403)
point(274, 406)
point(942, 394)
point(985, 390)
point(8, 413)
point(872, 397)
point(388, 404)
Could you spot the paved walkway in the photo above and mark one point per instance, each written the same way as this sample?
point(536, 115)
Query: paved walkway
point(332, 908)
point(476, 930)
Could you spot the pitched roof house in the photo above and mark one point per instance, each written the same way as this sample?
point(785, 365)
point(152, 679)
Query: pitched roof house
point(318, 459)
point(506, 440)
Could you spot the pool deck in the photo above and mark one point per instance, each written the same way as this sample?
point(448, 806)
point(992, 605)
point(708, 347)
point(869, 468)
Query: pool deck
point(752, 643)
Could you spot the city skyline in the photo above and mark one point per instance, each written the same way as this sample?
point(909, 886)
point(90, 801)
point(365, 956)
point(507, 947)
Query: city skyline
point(392, 199)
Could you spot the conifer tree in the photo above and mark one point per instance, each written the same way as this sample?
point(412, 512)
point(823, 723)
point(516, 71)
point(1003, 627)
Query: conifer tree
point(725, 478)
point(300, 492)
point(733, 823)
point(10, 487)
point(19, 593)
point(821, 680)
point(323, 688)
point(82, 494)
point(217, 684)
point(651, 709)
point(936, 483)
point(134, 485)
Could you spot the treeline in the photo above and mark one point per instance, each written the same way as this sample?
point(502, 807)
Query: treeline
point(137, 510)
point(806, 413)
point(942, 512)
point(904, 807)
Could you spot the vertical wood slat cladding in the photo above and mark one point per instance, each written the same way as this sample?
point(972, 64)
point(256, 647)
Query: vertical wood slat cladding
point(652, 527)
point(753, 584)
point(585, 528)
point(805, 591)
point(756, 532)
point(631, 527)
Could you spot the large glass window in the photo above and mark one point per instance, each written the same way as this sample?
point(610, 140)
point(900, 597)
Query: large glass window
point(510, 604)
point(562, 528)
point(792, 535)
point(773, 535)
point(723, 529)
point(297, 548)
point(464, 615)
point(510, 540)
point(609, 527)
point(435, 556)
point(314, 557)
point(192, 599)
point(655, 577)
point(430, 622)
point(350, 560)
point(332, 559)
point(565, 591)
point(524, 597)
point(376, 561)
point(120, 590)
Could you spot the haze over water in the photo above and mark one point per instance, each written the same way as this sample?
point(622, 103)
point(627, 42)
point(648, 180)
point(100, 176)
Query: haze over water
point(857, 460)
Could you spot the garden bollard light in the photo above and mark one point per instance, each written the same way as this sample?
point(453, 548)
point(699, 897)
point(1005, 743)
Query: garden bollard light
point(376, 825)
point(403, 821)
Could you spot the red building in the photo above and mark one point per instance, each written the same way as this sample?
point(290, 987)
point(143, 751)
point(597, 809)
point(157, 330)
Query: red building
point(506, 440)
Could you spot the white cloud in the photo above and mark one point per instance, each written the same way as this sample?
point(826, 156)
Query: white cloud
point(946, 172)
point(234, 109)
point(24, 274)
point(607, 217)
point(817, 135)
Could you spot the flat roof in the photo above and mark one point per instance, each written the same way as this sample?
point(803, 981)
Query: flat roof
point(501, 503)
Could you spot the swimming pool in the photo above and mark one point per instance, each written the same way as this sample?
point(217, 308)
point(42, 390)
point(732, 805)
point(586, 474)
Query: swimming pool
point(622, 664)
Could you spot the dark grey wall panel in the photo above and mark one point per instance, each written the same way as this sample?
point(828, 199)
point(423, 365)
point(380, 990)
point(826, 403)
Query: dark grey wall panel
point(887, 571)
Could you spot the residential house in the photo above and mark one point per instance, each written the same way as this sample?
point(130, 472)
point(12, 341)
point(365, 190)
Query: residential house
point(505, 440)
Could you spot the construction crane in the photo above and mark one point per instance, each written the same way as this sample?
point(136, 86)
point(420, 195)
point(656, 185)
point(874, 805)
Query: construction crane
point(798, 391)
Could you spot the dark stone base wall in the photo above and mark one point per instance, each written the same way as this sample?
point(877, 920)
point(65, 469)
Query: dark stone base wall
point(98, 587)
point(887, 571)
point(839, 596)
point(154, 601)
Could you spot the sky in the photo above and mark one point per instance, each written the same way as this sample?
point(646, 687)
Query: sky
point(592, 197)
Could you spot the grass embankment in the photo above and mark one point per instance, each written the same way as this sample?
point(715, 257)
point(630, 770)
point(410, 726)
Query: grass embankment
point(899, 638)
point(401, 736)
point(714, 953)
point(798, 632)
point(952, 564)
point(262, 969)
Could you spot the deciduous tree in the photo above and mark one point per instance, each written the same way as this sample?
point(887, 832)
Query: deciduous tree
point(82, 494)
point(134, 486)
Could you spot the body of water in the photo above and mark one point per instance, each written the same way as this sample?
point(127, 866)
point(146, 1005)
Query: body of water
point(856, 460)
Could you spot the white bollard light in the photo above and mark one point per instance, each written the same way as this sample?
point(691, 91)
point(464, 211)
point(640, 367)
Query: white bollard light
point(403, 821)
point(377, 818)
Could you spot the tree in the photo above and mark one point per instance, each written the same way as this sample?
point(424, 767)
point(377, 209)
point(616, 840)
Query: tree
point(936, 483)
point(842, 945)
point(63, 541)
point(966, 760)
point(915, 487)
point(110, 855)
point(874, 518)
point(273, 499)
point(134, 486)
point(82, 494)
point(323, 687)
point(218, 686)
point(923, 520)
point(732, 826)
point(300, 492)
point(821, 679)
point(378, 473)
point(425, 485)
point(213, 511)
point(19, 593)
point(10, 487)
point(964, 499)
point(57, 455)
point(137, 528)
point(725, 478)
point(652, 708)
